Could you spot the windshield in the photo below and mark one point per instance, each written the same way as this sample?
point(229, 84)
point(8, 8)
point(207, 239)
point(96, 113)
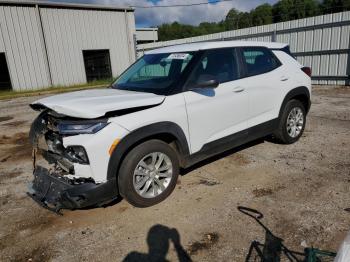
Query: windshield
point(154, 73)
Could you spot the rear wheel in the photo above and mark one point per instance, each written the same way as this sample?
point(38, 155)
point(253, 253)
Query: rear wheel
point(148, 173)
point(292, 123)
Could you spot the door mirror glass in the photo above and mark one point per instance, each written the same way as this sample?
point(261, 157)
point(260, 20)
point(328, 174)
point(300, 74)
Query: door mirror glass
point(212, 83)
point(206, 81)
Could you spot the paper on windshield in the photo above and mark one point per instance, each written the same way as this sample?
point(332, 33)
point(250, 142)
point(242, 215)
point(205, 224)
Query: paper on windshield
point(180, 56)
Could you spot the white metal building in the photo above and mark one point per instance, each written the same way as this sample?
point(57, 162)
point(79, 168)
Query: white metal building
point(45, 44)
point(146, 35)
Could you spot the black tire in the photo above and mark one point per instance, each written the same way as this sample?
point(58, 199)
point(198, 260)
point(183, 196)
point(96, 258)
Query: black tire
point(281, 134)
point(129, 164)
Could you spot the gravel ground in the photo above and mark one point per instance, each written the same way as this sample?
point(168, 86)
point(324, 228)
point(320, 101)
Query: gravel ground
point(301, 189)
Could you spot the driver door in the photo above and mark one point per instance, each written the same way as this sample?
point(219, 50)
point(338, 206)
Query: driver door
point(214, 114)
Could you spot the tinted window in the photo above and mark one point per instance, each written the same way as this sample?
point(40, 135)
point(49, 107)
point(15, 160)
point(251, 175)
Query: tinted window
point(259, 60)
point(219, 64)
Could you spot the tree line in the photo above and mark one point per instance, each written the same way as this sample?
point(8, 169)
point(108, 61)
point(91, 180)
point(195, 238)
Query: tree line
point(283, 10)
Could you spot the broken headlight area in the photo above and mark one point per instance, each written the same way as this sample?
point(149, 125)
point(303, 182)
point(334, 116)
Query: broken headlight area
point(49, 129)
point(66, 126)
point(55, 185)
point(77, 154)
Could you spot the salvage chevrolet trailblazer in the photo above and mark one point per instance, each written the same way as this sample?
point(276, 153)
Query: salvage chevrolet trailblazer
point(173, 107)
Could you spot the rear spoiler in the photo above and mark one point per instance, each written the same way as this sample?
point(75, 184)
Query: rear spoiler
point(285, 49)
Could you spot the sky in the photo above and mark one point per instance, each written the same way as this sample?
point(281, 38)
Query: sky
point(148, 17)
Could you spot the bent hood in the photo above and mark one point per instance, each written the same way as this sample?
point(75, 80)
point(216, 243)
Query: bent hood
point(97, 102)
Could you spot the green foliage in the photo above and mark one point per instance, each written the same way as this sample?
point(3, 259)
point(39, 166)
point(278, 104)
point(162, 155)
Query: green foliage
point(286, 10)
point(283, 10)
point(262, 15)
point(333, 6)
point(176, 30)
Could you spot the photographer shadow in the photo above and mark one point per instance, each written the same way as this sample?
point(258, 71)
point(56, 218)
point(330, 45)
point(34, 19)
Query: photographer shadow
point(158, 240)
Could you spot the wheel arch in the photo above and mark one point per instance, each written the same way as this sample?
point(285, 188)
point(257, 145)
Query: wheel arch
point(300, 93)
point(165, 131)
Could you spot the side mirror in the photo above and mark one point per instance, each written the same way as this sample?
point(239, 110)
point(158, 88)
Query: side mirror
point(212, 83)
point(163, 63)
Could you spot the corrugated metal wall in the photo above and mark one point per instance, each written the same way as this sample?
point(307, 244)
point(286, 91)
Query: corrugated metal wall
point(322, 42)
point(69, 32)
point(26, 30)
point(20, 40)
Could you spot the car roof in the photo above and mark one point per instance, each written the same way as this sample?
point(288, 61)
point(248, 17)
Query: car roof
point(213, 45)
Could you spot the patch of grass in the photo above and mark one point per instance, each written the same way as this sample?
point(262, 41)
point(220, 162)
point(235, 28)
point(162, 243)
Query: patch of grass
point(9, 94)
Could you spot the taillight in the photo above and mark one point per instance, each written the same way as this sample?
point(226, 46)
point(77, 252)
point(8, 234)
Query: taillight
point(306, 70)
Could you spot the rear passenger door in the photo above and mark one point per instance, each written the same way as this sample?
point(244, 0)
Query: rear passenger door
point(215, 113)
point(264, 81)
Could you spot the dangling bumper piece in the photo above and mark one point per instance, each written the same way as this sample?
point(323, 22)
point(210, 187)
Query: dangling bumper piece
point(56, 192)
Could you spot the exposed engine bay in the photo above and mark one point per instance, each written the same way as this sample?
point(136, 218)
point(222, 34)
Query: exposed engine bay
point(55, 185)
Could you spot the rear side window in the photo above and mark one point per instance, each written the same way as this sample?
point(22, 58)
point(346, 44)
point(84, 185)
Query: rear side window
point(258, 60)
point(219, 64)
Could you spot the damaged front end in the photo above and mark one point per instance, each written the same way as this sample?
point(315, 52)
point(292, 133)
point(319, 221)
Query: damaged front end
point(55, 185)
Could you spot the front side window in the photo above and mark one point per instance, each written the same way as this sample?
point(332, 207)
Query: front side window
point(258, 60)
point(216, 64)
point(154, 73)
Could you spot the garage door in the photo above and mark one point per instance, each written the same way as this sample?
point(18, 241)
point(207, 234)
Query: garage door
point(5, 81)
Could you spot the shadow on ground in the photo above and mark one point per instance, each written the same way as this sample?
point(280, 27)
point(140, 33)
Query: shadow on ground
point(158, 240)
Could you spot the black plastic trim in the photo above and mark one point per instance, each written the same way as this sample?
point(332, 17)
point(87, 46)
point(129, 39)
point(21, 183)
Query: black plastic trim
point(55, 193)
point(301, 90)
point(223, 144)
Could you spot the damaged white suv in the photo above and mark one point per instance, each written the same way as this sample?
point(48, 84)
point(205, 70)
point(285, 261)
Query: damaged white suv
point(173, 107)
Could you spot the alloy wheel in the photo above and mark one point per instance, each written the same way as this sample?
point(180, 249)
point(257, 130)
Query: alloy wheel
point(152, 175)
point(295, 122)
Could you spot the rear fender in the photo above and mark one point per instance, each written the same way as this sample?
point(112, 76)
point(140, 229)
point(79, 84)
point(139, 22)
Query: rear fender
point(299, 91)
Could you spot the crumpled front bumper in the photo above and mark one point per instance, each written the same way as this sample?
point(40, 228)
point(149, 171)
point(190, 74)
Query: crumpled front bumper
point(56, 193)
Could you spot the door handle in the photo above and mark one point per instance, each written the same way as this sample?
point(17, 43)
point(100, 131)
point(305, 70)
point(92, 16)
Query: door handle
point(238, 89)
point(284, 78)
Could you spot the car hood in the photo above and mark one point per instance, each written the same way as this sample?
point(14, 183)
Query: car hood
point(96, 103)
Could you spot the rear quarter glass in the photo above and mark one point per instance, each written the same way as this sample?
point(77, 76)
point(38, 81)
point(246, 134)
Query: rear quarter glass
point(286, 59)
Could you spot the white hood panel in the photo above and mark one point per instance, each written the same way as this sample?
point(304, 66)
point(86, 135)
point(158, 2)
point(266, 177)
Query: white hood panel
point(95, 103)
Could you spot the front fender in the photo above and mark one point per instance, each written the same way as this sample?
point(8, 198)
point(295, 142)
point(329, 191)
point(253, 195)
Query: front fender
point(142, 134)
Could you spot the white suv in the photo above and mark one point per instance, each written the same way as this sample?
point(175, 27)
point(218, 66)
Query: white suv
point(173, 107)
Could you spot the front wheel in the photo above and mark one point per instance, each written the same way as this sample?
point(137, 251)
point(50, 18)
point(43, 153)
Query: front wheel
point(292, 123)
point(148, 173)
